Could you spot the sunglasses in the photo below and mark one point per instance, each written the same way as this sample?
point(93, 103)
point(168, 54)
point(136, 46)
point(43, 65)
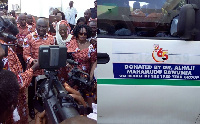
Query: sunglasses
point(83, 34)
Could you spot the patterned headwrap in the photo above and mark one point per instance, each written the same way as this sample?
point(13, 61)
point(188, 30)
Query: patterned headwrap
point(67, 24)
point(59, 39)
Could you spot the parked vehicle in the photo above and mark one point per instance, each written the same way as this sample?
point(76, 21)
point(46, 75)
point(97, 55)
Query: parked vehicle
point(153, 73)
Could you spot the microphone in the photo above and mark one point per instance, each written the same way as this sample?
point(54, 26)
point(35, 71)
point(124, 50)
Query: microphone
point(9, 36)
point(72, 62)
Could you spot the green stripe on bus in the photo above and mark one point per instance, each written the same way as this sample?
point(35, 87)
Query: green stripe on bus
point(149, 82)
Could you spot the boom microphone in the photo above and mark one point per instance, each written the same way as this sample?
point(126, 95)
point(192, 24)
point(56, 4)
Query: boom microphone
point(10, 26)
point(9, 36)
point(72, 62)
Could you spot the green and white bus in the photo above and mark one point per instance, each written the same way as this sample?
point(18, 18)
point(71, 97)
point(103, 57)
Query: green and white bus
point(153, 75)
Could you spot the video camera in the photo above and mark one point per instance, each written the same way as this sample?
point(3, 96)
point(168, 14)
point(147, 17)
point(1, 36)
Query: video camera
point(5, 48)
point(7, 26)
point(54, 57)
point(57, 103)
point(80, 79)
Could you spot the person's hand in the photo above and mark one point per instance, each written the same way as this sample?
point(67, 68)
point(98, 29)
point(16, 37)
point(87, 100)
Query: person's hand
point(35, 66)
point(75, 94)
point(79, 120)
point(93, 41)
point(68, 66)
point(91, 77)
point(40, 118)
point(2, 52)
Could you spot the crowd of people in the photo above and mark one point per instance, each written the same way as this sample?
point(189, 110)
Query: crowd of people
point(79, 37)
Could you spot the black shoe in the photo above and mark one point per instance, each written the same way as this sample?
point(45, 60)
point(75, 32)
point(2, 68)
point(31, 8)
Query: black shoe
point(32, 113)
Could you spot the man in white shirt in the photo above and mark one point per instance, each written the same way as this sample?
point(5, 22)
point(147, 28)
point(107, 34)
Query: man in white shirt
point(71, 14)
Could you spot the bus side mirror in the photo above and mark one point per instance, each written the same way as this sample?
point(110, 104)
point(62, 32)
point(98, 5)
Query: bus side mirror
point(102, 58)
point(173, 29)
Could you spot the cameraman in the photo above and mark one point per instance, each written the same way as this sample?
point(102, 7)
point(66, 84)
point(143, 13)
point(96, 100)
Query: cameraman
point(31, 46)
point(40, 119)
point(12, 63)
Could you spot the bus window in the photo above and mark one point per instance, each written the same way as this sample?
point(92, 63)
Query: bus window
point(138, 18)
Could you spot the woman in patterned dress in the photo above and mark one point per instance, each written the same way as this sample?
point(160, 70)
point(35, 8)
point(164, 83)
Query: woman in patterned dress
point(85, 54)
point(82, 51)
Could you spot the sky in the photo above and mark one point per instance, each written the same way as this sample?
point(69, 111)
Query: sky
point(40, 8)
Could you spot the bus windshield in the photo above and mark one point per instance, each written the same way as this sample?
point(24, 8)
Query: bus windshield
point(140, 18)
